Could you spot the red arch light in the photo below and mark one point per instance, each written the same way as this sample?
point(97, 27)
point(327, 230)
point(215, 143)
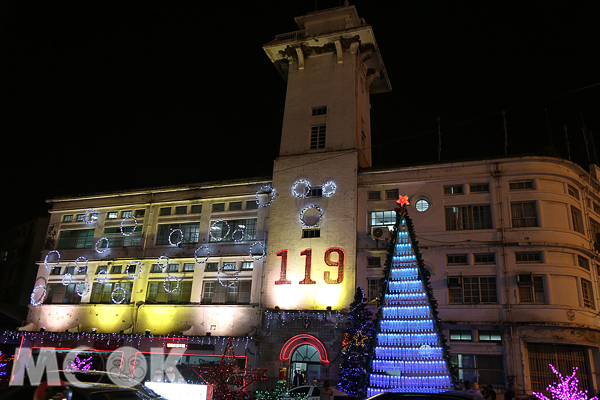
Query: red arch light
point(290, 346)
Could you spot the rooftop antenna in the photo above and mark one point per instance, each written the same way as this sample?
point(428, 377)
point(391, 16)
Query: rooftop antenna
point(439, 139)
point(505, 133)
point(567, 142)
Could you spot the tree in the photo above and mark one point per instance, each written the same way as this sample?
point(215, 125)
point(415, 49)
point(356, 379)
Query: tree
point(566, 389)
point(356, 347)
point(410, 354)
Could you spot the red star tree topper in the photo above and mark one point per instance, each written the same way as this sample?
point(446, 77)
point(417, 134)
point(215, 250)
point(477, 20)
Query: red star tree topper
point(403, 200)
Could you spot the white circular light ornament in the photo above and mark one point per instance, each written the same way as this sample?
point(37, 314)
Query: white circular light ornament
point(180, 237)
point(257, 257)
point(36, 298)
point(80, 269)
point(118, 295)
point(90, 216)
point(301, 183)
point(422, 205)
point(214, 228)
point(134, 268)
point(161, 258)
point(262, 191)
point(167, 284)
point(98, 246)
point(311, 216)
point(202, 247)
point(329, 188)
point(135, 224)
point(66, 279)
point(227, 285)
point(51, 267)
point(243, 234)
point(102, 276)
point(86, 288)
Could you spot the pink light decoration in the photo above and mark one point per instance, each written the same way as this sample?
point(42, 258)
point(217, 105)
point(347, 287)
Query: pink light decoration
point(80, 365)
point(566, 389)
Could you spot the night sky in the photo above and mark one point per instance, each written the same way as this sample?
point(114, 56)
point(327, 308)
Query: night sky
point(102, 96)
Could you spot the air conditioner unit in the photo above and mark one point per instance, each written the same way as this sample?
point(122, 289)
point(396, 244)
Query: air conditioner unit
point(380, 232)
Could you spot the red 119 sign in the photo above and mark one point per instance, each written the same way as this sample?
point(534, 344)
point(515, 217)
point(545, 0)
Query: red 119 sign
point(307, 267)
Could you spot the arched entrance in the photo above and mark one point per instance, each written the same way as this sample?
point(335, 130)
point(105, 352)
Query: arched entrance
point(305, 354)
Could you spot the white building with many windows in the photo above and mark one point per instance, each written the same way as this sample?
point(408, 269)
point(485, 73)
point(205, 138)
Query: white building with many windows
point(511, 243)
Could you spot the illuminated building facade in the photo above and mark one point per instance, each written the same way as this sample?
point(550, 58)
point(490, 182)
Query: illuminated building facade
point(510, 244)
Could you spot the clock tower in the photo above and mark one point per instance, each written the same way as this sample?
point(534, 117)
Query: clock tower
point(331, 64)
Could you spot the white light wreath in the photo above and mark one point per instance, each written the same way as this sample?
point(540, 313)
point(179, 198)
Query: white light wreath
point(123, 295)
point(86, 288)
point(306, 188)
point(162, 258)
point(180, 237)
point(329, 188)
point(319, 218)
point(221, 282)
point(257, 258)
point(39, 301)
point(66, 279)
point(90, 216)
point(97, 247)
point(102, 276)
point(134, 226)
point(50, 268)
point(241, 239)
point(214, 227)
point(136, 274)
point(80, 269)
point(265, 190)
point(196, 254)
point(167, 284)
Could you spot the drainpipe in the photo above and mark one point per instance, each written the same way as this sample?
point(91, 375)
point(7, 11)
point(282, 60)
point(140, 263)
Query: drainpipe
point(497, 173)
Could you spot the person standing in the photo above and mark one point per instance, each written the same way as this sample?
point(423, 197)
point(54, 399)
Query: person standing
point(510, 392)
point(490, 393)
point(298, 379)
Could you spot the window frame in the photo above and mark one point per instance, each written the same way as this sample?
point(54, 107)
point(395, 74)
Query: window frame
point(468, 217)
point(318, 134)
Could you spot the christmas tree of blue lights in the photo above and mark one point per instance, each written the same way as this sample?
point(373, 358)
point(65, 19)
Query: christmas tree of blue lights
point(410, 353)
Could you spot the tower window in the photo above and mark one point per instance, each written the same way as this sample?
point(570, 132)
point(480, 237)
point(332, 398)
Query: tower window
point(317, 136)
point(316, 111)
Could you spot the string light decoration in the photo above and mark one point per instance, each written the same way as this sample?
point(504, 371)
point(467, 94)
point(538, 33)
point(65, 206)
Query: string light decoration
point(98, 245)
point(224, 284)
point(227, 378)
point(241, 237)
point(80, 269)
point(66, 279)
point(261, 255)
point(356, 347)
point(40, 298)
point(118, 295)
point(329, 188)
point(51, 267)
point(102, 276)
point(301, 183)
point(567, 388)
point(202, 247)
point(90, 216)
point(86, 288)
point(161, 258)
point(214, 227)
point(180, 237)
point(123, 232)
point(78, 364)
point(410, 354)
point(134, 265)
point(304, 215)
point(265, 190)
point(167, 284)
